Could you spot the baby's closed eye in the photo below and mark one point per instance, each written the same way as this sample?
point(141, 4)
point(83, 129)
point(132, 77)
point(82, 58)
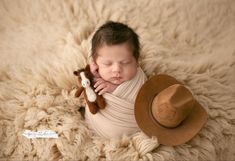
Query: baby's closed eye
point(126, 62)
point(107, 64)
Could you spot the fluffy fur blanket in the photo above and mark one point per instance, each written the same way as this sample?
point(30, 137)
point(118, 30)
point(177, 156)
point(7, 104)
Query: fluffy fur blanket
point(42, 42)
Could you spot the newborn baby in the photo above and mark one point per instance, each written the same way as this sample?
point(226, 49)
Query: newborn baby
point(115, 53)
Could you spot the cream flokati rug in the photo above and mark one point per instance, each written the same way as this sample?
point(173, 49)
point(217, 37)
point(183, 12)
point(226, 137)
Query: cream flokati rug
point(44, 41)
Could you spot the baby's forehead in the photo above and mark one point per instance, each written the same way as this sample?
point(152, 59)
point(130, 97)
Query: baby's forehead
point(114, 51)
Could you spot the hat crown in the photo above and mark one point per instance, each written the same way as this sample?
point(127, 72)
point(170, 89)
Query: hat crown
point(172, 105)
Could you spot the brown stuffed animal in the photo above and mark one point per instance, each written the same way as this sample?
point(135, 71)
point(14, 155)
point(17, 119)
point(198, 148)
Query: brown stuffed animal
point(94, 101)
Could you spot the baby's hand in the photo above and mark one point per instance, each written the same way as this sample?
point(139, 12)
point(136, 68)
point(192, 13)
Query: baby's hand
point(94, 69)
point(103, 86)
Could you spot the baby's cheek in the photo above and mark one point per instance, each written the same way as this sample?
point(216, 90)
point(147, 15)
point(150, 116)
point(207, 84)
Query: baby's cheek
point(102, 71)
point(105, 74)
point(131, 74)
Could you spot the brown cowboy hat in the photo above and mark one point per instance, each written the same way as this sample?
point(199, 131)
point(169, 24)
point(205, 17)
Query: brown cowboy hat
point(166, 109)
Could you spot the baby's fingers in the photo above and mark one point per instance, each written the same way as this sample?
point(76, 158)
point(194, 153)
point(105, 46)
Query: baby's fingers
point(98, 82)
point(104, 90)
point(100, 87)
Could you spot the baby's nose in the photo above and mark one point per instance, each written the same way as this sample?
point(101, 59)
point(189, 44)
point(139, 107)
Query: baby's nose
point(117, 68)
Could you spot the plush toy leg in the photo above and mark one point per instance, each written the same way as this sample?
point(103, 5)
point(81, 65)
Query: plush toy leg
point(92, 107)
point(101, 102)
point(79, 91)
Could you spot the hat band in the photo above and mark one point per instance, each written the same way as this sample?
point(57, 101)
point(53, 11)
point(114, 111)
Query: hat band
point(157, 122)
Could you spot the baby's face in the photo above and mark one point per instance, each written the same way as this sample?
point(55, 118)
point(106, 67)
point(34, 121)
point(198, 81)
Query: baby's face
point(116, 63)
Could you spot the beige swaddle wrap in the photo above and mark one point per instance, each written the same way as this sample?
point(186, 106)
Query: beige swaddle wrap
point(118, 116)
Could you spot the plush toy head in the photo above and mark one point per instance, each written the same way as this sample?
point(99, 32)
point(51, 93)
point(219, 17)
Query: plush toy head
point(84, 76)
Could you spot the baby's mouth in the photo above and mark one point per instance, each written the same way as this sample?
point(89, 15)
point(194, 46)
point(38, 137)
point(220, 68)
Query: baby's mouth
point(115, 78)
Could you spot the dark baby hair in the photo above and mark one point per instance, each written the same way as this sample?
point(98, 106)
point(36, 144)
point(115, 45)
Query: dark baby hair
point(113, 33)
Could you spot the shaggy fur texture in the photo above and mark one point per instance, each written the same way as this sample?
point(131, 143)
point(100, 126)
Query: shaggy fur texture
point(44, 41)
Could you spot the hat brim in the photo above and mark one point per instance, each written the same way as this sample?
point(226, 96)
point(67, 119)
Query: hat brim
point(167, 136)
